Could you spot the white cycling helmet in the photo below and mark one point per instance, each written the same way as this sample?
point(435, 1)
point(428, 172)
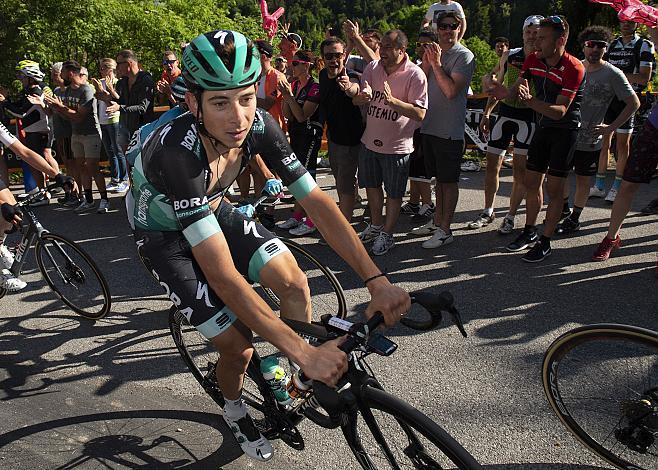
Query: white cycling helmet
point(30, 69)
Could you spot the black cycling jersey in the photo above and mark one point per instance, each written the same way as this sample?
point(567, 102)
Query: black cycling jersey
point(33, 117)
point(171, 176)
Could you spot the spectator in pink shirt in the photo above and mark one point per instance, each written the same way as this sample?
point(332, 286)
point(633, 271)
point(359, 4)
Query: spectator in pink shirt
point(395, 92)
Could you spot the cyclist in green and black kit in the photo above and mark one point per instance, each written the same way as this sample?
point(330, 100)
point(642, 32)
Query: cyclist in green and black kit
point(200, 248)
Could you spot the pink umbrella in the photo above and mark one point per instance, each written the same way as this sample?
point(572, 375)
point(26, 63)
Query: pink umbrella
point(633, 10)
point(270, 21)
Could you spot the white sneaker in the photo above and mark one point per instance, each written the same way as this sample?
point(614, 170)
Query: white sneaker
point(507, 226)
point(122, 187)
point(251, 441)
point(103, 206)
point(6, 257)
point(112, 186)
point(84, 207)
point(301, 230)
point(470, 165)
point(424, 230)
point(10, 282)
point(612, 195)
point(440, 238)
point(383, 243)
point(288, 224)
point(370, 233)
point(594, 191)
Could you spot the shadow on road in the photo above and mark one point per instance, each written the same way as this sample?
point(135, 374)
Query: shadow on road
point(126, 439)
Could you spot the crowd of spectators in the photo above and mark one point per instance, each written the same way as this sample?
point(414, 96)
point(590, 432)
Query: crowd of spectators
point(393, 122)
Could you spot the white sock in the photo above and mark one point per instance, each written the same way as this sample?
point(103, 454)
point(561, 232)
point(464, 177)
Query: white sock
point(488, 211)
point(235, 409)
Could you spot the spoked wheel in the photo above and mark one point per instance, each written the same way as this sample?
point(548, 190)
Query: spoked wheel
point(602, 382)
point(387, 433)
point(327, 296)
point(201, 358)
point(73, 275)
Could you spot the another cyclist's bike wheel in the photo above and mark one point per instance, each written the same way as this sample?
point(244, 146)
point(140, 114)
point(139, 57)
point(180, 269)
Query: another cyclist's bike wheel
point(73, 275)
point(327, 296)
point(602, 382)
point(387, 433)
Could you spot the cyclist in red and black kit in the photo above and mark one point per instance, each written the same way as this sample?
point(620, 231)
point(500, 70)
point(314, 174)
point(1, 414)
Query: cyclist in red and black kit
point(552, 85)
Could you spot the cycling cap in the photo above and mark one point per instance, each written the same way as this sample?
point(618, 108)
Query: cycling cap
point(179, 88)
point(532, 20)
point(30, 69)
point(203, 68)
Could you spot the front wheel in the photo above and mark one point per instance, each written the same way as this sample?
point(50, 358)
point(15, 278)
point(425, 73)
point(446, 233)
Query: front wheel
point(387, 433)
point(602, 382)
point(73, 275)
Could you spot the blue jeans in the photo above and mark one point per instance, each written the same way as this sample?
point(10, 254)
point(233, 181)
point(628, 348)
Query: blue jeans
point(114, 153)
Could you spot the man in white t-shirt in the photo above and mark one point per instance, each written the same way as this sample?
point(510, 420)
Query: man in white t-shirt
point(442, 6)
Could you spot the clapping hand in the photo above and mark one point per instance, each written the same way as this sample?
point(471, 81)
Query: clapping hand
point(432, 53)
point(388, 94)
point(113, 107)
point(351, 29)
point(524, 91)
point(284, 87)
point(366, 92)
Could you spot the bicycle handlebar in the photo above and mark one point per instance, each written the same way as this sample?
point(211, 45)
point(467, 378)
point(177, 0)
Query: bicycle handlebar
point(335, 401)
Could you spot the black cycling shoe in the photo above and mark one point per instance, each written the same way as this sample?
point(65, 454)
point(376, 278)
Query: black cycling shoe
point(567, 227)
point(565, 214)
point(537, 253)
point(523, 241)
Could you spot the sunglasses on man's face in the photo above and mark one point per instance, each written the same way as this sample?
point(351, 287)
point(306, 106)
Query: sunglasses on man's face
point(447, 26)
point(333, 55)
point(295, 63)
point(169, 61)
point(596, 44)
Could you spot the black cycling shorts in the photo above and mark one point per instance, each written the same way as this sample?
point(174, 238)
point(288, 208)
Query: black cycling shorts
point(507, 130)
point(586, 162)
point(168, 256)
point(552, 150)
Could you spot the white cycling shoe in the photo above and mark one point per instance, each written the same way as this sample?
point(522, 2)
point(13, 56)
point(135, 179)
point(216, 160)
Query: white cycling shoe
point(252, 442)
point(10, 282)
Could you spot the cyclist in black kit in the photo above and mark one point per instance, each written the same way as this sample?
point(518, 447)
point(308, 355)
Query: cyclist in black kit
point(200, 248)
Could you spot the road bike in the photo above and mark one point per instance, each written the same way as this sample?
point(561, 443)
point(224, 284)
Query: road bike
point(381, 430)
point(69, 271)
point(602, 382)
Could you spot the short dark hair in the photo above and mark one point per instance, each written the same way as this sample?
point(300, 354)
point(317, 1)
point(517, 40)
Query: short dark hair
point(330, 41)
point(168, 53)
point(127, 54)
point(595, 33)
point(373, 32)
point(73, 65)
point(502, 39)
point(450, 14)
point(307, 56)
point(401, 41)
point(557, 23)
point(428, 33)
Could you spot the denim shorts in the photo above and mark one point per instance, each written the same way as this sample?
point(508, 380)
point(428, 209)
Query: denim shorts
point(390, 169)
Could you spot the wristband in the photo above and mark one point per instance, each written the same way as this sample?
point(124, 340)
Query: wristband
point(365, 283)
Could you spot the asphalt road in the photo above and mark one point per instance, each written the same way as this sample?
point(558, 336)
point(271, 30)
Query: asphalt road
point(115, 393)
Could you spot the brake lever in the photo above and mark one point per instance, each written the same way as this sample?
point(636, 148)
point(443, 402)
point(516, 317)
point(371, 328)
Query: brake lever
point(435, 305)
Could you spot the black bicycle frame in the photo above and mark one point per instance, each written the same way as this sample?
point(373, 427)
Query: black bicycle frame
point(31, 233)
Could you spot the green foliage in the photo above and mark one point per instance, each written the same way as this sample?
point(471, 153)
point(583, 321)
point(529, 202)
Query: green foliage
point(48, 32)
point(485, 60)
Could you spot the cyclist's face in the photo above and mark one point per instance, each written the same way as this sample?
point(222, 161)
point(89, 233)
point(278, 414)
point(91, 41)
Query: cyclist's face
point(228, 115)
point(530, 36)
